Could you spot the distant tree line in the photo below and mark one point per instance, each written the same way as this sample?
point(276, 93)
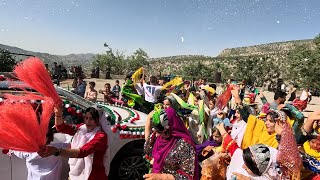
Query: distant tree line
point(300, 66)
point(304, 65)
point(7, 61)
point(117, 63)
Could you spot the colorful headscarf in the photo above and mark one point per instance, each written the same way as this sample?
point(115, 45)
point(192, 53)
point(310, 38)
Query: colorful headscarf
point(288, 156)
point(173, 101)
point(261, 156)
point(265, 158)
point(163, 146)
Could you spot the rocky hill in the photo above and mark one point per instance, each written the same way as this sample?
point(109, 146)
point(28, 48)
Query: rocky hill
point(69, 60)
point(276, 53)
point(266, 49)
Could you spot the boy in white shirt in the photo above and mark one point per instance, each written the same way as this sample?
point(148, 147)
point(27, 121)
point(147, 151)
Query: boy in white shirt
point(152, 90)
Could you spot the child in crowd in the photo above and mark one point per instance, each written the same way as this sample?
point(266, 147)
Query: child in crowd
point(108, 94)
point(116, 89)
point(91, 93)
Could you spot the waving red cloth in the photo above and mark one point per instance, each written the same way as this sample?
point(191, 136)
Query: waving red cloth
point(19, 126)
point(33, 72)
point(224, 98)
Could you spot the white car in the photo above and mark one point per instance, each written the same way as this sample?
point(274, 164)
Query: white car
point(125, 147)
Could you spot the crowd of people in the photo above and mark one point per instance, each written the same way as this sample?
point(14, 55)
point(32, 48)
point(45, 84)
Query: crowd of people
point(59, 73)
point(194, 131)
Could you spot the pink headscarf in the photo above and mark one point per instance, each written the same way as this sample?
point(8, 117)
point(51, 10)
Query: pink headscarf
point(163, 146)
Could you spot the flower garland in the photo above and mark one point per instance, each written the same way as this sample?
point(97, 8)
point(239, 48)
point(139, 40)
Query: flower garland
point(133, 115)
point(120, 125)
point(75, 112)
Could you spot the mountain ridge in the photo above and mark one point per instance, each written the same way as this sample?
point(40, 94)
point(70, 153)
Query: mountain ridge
point(86, 59)
point(69, 60)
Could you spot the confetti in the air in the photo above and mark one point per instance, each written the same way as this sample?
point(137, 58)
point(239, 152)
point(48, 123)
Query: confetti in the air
point(182, 39)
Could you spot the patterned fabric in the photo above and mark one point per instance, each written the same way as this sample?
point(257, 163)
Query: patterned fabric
point(311, 163)
point(179, 161)
point(288, 156)
point(163, 146)
point(261, 155)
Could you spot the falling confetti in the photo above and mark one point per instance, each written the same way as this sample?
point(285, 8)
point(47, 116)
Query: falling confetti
point(182, 39)
point(278, 22)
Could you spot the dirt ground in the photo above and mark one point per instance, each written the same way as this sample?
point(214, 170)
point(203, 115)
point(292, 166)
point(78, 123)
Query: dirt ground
point(312, 106)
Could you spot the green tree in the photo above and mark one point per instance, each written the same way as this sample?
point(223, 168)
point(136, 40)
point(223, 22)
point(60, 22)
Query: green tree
point(305, 65)
point(7, 62)
point(221, 68)
point(111, 60)
point(196, 70)
point(257, 70)
point(246, 69)
point(137, 60)
point(316, 41)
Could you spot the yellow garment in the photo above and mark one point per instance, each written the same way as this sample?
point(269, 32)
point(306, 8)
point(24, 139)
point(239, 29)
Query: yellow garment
point(291, 121)
point(218, 149)
point(310, 151)
point(136, 75)
point(209, 89)
point(256, 133)
point(191, 99)
point(174, 82)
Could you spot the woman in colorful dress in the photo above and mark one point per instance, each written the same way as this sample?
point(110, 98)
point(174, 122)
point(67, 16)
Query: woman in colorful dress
point(171, 148)
point(88, 146)
point(260, 161)
point(262, 130)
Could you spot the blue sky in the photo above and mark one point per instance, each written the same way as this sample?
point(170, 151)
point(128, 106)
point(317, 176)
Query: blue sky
point(160, 27)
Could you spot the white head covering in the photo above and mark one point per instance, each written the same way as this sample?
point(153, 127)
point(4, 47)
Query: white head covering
point(237, 163)
point(106, 127)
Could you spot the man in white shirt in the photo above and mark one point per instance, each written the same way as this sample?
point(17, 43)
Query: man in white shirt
point(152, 90)
point(49, 168)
